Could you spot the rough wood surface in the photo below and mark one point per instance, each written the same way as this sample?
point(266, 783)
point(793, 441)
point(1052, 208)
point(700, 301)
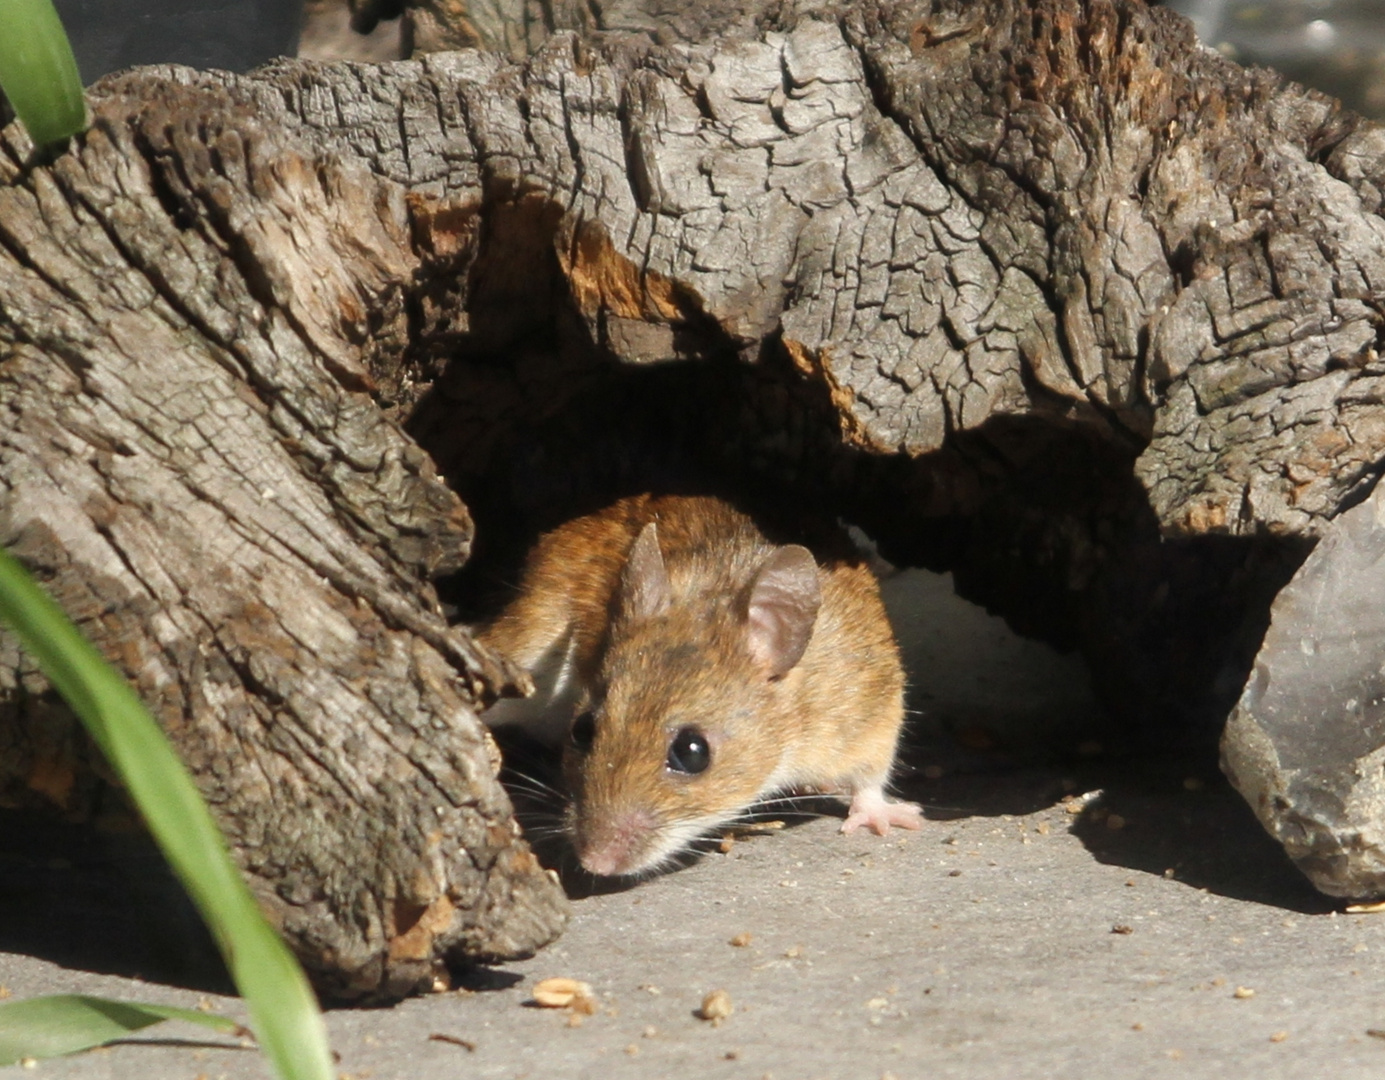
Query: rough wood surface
point(517, 28)
point(1099, 218)
point(189, 458)
point(955, 212)
point(961, 233)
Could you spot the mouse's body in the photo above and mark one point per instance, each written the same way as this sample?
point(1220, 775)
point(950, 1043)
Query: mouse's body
point(692, 667)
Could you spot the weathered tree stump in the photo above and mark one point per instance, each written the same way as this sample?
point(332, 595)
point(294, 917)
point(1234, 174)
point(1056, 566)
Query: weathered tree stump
point(193, 463)
point(1042, 293)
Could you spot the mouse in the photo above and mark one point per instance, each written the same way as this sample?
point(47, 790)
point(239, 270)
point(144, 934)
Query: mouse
point(690, 666)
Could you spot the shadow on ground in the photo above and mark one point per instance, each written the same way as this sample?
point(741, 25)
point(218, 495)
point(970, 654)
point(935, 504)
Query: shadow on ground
point(1208, 838)
point(1173, 815)
point(100, 902)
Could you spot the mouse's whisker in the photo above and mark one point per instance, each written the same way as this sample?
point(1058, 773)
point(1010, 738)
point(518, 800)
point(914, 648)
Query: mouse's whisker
point(511, 774)
point(541, 815)
point(530, 814)
point(531, 785)
point(535, 795)
point(795, 797)
point(535, 831)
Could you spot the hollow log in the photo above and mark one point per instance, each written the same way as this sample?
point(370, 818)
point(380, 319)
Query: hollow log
point(1043, 293)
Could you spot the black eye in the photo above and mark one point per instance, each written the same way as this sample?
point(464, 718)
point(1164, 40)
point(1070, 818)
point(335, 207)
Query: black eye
point(689, 752)
point(584, 731)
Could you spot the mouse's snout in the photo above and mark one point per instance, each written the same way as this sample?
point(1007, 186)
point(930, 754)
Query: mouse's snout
point(615, 842)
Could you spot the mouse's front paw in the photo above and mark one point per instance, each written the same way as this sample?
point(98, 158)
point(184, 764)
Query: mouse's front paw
point(877, 813)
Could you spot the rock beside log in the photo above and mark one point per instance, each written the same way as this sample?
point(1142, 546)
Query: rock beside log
point(1306, 743)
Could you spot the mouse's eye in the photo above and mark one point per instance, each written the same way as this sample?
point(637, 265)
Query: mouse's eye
point(689, 752)
point(584, 731)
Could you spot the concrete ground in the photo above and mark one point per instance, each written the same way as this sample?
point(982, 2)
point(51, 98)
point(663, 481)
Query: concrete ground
point(1100, 917)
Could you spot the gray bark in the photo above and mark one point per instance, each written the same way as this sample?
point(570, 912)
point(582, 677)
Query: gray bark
point(958, 212)
point(190, 460)
point(1023, 287)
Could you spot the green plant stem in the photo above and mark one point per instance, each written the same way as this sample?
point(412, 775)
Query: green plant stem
point(38, 71)
point(283, 1010)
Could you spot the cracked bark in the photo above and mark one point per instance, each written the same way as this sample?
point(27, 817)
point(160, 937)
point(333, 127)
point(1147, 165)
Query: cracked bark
point(192, 463)
point(1041, 293)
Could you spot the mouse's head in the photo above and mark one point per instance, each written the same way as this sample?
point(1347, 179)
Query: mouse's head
point(679, 731)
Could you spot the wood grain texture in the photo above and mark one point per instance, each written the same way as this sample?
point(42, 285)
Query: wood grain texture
point(952, 213)
point(191, 463)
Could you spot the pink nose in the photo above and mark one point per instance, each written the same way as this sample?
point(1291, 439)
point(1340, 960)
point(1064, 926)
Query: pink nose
point(604, 862)
point(615, 843)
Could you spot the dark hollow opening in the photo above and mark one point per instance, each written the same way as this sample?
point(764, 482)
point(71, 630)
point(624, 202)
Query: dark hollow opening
point(537, 413)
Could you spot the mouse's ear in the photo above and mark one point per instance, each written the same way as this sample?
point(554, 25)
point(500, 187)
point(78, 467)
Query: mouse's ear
point(644, 588)
point(784, 601)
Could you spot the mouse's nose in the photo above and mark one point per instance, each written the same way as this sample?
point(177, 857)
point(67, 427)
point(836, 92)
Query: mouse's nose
point(615, 842)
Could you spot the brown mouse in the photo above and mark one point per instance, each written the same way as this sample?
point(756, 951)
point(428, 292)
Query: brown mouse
point(692, 667)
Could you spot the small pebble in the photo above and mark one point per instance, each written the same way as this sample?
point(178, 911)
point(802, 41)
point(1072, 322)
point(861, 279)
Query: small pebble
point(716, 1006)
point(559, 993)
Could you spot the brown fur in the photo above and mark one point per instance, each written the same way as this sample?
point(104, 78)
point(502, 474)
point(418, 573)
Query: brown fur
point(829, 723)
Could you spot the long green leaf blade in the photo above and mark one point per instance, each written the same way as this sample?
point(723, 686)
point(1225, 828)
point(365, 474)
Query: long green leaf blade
point(38, 71)
point(44, 1027)
point(283, 1010)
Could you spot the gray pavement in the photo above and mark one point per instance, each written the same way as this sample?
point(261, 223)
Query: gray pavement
point(1144, 927)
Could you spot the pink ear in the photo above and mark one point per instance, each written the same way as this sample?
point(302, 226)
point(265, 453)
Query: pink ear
point(784, 602)
point(644, 588)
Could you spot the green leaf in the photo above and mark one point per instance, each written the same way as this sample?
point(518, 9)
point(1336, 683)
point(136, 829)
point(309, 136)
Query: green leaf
point(38, 72)
point(283, 1010)
point(46, 1027)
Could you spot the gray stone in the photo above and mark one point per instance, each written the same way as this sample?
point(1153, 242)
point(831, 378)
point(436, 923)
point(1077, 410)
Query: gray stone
point(1305, 744)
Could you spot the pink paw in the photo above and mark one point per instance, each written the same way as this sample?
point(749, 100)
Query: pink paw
point(877, 813)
